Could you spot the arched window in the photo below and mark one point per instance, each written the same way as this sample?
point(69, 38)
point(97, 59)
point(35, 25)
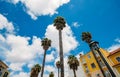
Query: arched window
point(5, 74)
point(118, 59)
point(0, 71)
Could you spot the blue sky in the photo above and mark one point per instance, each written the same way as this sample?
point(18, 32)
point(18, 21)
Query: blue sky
point(24, 23)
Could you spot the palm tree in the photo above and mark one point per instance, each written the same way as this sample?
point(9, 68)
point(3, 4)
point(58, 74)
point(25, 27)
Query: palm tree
point(58, 66)
point(86, 36)
point(73, 63)
point(59, 23)
point(35, 70)
point(51, 74)
point(46, 43)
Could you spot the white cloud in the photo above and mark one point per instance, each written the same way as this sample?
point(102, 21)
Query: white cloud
point(20, 46)
point(16, 66)
point(5, 24)
point(41, 7)
point(69, 41)
point(49, 68)
point(2, 38)
point(117, 40)
point(21, 52)
point(113, 47)
point(50, 57)
point(18, 50)
point(21, 74)
point(76, 24)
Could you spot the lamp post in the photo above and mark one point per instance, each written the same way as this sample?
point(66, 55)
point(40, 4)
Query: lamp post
point(94, 45)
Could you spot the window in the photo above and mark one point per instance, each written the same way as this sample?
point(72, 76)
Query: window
point(101, 63)
point(118, 59)
point(98, 75)
point(89, 56)
point(107, 74)
point(96, 54)
point(6, 74)
point(0, 72)
point(93, 65)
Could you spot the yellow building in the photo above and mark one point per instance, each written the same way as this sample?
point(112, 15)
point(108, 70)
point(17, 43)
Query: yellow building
point(114, 60)
point(3, 69)
point(90, 64)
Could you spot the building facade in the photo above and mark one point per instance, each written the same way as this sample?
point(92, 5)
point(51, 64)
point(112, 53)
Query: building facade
point(93, 65)
point(114, 60)
point(3, 69)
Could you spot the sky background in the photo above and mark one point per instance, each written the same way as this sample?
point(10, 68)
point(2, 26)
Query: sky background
point(24, 23)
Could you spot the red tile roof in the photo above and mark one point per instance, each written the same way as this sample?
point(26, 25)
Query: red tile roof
point(113, 52)
point(3, 63)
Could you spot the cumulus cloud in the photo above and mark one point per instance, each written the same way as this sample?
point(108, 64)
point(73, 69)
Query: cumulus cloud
point(21, 52)
point(21, 74)
point(41, 7)
point(5, 24)
point(20, 46)
point(69, 41)
point(50, 57)
point(17, 50)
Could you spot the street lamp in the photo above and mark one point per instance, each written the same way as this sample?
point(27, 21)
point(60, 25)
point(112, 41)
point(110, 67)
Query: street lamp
point(94, 45)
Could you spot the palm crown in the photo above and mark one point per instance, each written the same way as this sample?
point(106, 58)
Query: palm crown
point(35, 70)
point(59, 22)
point(46, 43)
point(58, 64)
point(38, 67)
point(73, 62)
point(51, 74)
point(86, 36)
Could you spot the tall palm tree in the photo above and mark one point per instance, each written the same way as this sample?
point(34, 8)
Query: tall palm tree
point(86, 36)
point(59, 23)
point(51, 74)
point(73, 63)
point(35, 70)
point(46, 43)
point(58, 66)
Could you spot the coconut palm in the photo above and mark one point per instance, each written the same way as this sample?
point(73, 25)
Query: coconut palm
point(86, 36)
point(51, 74)
point(35, 70)
point(59, 23)
point(58, 66)
point(73, 63)
point(46, 43)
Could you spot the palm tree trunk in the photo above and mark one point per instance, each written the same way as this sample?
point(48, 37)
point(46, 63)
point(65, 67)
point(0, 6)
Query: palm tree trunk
point(74, 72)
point(43, 64)
point(98, 63)
point(107, 65)
point(61, 53)
point(58, 72)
